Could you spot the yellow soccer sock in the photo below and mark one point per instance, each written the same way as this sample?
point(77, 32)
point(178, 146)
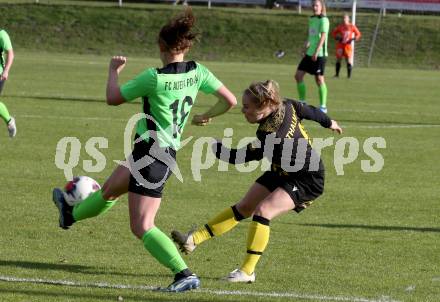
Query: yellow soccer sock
point(220, 224)
point(258, 237)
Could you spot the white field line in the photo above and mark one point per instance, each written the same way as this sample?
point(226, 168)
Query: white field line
point(111, 119)
point(138, 59)
point(386, 112)
point(206, 291)
point(387, 126)
point(390, 126)
point(75, 62)
point(334, 110)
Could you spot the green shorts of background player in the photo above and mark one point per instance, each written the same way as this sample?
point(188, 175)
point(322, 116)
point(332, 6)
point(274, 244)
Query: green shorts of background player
point(276, 192)
point(168, 94)
point(5, 66)
point(315, 53)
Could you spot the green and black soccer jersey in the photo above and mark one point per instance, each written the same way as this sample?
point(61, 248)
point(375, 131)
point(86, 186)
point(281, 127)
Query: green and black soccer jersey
point(317, 25)
point(5, 45)
point(168, 95)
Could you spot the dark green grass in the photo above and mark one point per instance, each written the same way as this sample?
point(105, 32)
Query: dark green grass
point(238, 34)
point(370, 235)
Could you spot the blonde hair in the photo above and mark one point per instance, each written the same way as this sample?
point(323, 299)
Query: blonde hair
point(265, 93)
point(324, 9)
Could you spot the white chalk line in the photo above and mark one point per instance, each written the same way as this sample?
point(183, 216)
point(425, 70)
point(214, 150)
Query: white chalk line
point(76, 62)
point(385, 112)
point(427, 114)
point(397, 126)
point(140, 59)
point(206, 291)
point(111, 119)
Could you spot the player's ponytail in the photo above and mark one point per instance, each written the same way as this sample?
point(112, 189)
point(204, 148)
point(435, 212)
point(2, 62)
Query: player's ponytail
point(324, 8)
point(265, 93)
point(177, 35)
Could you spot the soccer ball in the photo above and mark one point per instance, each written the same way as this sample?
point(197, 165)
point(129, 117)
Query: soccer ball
point(279, 53)
point(79, 189)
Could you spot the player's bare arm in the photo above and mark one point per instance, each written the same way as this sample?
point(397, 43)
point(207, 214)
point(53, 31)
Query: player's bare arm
point(335, 127)
point(320, 44)
point(226, 100)
point(9, 60)
point(114, 97)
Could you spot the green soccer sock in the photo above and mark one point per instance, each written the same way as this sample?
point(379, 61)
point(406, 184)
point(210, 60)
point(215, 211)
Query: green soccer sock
point(4, 113)
point(92, 206)
point(163, 249)
point(323, 95)
point(301, 86)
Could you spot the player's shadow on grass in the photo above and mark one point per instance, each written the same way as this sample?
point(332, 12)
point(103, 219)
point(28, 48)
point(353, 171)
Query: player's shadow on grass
point(56, 98)
point(372, 227)
point(73, 293)
point(74, 268)
point(84, 269)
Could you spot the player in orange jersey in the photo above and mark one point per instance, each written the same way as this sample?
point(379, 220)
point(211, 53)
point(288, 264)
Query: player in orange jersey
point(344, 34)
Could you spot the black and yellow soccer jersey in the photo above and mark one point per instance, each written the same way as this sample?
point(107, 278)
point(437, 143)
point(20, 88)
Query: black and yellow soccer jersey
point(282, 139)
point(168, 95)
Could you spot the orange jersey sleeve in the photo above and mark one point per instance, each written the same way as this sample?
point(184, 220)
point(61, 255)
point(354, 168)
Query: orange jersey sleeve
point(357, 33)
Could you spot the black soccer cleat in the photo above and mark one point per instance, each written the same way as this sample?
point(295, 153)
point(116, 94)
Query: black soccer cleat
point(65, 210)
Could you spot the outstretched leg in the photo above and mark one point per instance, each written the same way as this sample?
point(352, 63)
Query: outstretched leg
point(102, 200)
point(97, 203)
point(277, 203)
point(224, 221)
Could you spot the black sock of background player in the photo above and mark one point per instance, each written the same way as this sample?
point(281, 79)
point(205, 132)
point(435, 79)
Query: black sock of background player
point(182, 274)
point(349, 68)
point(338, 67)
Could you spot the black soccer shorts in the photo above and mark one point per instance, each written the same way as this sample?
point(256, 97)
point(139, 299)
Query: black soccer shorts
point(312, 67)
point(2, 83)
point(150, 180)
point(302, 187)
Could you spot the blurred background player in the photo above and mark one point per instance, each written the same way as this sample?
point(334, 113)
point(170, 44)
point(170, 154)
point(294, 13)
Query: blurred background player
point(344, 34)
point(184, 2)
point(277, 191)
point(5, 66)
point(168, 94)
point(315, 53)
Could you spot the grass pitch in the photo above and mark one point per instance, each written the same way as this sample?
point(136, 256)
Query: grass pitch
point(228, 34)
point(370, 237)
